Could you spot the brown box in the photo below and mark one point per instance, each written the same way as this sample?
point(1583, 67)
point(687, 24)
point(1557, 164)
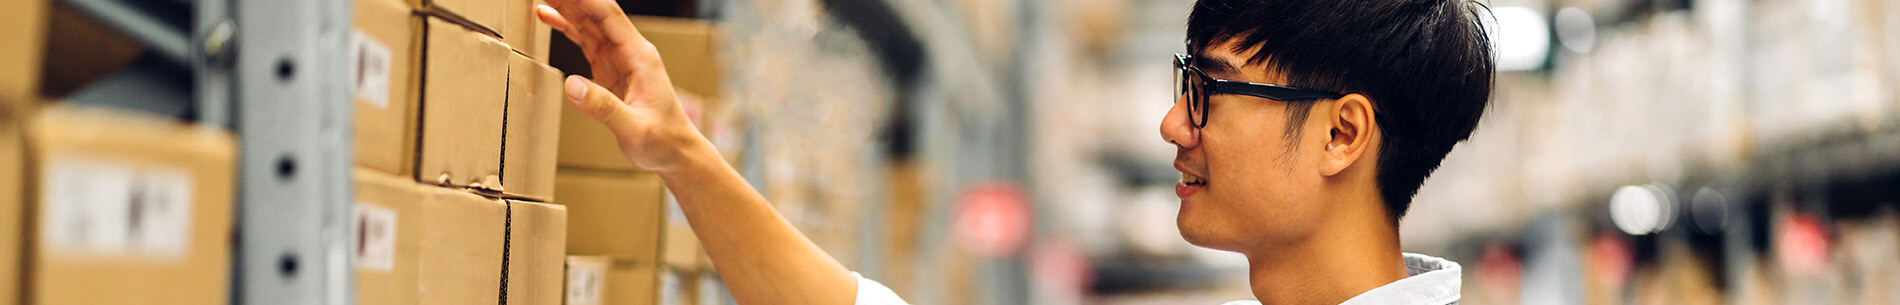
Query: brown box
point(128, 209)
point(462, 246)
point(681, 249)
point(533, 131)
point(616, 214)
point(464, 93)
point(390, 229)
point(523, 31)
point(21, 47)
point(387, 41)
point(485, 16)
point(537, 247)
point(689, 48)
point(12, 207)
point(599, 280)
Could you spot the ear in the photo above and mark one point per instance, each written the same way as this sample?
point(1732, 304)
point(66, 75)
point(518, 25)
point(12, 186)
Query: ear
point(1352, 132)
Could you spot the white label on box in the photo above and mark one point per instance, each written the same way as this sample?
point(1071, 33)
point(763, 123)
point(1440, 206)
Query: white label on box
point(376, 237)
point(97, 207)
point(585, 283)
point(372, 69)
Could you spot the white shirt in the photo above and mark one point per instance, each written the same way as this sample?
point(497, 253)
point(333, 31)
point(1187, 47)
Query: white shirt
point(1429, 281)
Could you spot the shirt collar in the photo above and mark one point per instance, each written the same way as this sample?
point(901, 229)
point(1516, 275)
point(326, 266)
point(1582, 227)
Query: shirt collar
point(1429, 281)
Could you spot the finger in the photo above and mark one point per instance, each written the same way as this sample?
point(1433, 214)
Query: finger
point(553, 19)
point(598, 103)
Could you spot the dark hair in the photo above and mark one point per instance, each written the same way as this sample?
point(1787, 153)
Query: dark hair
point(1425, 64)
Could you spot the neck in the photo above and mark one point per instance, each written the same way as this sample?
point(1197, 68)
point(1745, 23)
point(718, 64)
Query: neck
point(1344, 258)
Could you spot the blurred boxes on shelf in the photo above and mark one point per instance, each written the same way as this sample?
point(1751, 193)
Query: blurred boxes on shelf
point(537, 239)
point(690, 48)
point(523, 31)
point(532, 134)
point(389, 238)
point(119, 200)
point(462, 247)
point(600, 280)
point(485, 16)
point(387, 43)
point(614, 214)
point(586, 282)
point(680, 248)
point(464, 93)
point(12, 207)
point(21, 47)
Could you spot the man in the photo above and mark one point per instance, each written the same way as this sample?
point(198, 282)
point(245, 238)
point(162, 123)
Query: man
point(1303, 129)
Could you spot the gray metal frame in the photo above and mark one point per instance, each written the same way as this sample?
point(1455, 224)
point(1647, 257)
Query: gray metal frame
point(293, 112)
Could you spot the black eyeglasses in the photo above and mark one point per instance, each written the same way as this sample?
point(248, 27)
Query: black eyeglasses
point(1196, 86)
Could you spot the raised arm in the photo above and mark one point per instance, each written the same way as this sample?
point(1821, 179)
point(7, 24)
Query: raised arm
point(761, 257)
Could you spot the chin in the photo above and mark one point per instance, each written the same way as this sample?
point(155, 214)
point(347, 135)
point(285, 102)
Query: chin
point(1199, 233)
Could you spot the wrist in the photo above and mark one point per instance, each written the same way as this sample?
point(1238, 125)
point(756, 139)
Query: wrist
point(690, 154)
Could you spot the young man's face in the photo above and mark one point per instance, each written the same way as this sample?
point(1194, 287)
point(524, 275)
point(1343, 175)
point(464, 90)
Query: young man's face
point(1261, 188)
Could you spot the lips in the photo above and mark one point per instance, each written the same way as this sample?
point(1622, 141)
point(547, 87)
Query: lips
point(1190, 184)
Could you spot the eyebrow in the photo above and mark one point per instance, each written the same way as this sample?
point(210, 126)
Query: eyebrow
point(1212, 65)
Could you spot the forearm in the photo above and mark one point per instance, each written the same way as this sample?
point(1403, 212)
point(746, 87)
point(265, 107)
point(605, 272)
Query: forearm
point(761, 257)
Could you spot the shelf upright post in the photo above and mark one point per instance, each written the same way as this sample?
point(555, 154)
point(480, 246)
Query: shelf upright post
point(292, 111)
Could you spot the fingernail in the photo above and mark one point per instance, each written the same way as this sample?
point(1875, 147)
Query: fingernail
point(576, 88)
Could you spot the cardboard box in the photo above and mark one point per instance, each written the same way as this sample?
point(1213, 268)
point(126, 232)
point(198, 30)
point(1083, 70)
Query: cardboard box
point(614, 214)
point(390, 230)
point(462, 247)
point(690, 49)
point(532, 133)
point(600, 280)
point(523, 31)
point(537, 247)
point(12, 207)
point(681, 249)
point(387, 50)
point(21, 46)
point(483, 16)
point(464, 93)
point(135, 206)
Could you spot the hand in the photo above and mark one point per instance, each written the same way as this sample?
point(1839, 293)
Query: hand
point(630, 92)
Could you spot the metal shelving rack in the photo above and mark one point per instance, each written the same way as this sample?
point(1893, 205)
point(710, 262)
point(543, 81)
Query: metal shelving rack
point(277, 73)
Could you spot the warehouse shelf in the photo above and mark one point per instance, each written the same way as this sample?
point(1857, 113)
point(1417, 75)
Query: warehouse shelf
point(275, 73)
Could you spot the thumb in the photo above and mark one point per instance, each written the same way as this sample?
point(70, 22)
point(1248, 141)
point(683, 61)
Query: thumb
point(598, 103)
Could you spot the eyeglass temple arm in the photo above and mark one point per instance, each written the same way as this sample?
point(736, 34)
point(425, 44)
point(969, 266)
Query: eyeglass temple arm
point(1269, 91)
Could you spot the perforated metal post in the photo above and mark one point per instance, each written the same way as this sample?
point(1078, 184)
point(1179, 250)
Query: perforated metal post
point(293, 118)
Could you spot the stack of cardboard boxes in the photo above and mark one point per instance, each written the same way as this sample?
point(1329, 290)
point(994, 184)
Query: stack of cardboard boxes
point(456, 125)
point(458, 129)
point(455, 131)
point(625, 249)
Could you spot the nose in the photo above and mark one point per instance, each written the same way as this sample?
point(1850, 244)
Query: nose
point(1177, 129)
